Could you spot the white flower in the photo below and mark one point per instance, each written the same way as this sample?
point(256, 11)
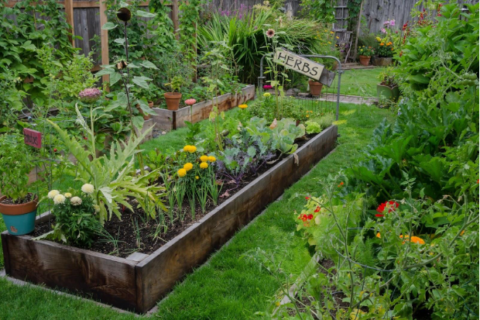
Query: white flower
point(76, 201)
point(68, 195)
point(53, 193)
point(59, 199)
point(88, 188)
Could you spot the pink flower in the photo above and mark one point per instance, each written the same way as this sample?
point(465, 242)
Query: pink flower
point(90, 95)
point(270, 33)
point(190, 102)
point(383, 30)
point(267, 87)
point(392, 23)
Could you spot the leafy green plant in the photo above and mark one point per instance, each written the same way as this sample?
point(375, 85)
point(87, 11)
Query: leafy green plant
point(312, 127)
point(16, 162)
point(176, 83)
point(113, 177)
point(75, 220)
point(284, 135)
point(366, 51)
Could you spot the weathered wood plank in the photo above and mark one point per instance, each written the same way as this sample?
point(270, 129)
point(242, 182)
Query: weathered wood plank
point(108, 278)
point(194, 245)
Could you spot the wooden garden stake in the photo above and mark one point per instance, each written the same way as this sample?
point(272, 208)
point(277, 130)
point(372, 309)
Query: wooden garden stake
point(69, 19)
point(104, 39)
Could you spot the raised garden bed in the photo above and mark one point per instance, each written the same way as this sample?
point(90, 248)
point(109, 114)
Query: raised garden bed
point(167, 120)
point(140, 280)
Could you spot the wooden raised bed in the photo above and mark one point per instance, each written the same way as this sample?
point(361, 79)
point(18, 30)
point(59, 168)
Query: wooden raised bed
point(167, 120)
point(138, 283)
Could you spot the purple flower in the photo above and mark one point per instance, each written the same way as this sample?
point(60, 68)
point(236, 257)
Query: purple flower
point(383, 30)
point(90, 95)
point(386, 23)
point(392, 23)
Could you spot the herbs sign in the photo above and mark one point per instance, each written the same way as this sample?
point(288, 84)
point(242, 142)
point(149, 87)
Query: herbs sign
point(299, 64)
point(304, 66)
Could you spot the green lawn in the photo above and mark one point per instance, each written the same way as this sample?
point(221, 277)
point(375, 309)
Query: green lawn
point(228, 286)
point(360, 82)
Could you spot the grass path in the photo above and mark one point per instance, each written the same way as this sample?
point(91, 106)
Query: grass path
point(229, 285)
point(360, 82)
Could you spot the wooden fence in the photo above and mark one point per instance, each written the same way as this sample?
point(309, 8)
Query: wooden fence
point(379, 11)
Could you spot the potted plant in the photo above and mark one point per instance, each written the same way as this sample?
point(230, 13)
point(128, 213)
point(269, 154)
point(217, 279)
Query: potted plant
point(365, 53)
point(315, 88)
point(17, 205)
point(173, 98)
point(388, 87)
point(384, 53)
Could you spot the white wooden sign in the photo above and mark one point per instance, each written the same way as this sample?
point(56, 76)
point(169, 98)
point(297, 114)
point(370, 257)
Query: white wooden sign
point(304, 66)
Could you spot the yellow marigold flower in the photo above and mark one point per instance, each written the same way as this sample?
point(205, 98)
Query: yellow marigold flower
point(186, 148)
point(197, 177)
point(192, 149)
point(59, 199)
point(53, 193)
point(212, 159)
point(204, 165)
point(308, 116)
point(204, 158)
point(88, 188)
point(188, 166)
point(267, 94)
point(243, 106)
point(68, 195)
point(182, 173)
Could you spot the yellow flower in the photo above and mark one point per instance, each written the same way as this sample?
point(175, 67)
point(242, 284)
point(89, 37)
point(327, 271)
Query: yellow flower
point(197, 177)
point(204, 158)
point(192, 149)
point(59, 199)
point(212, 159)
point(88, 188)
point(308, 116)
point(53, 193)
point(243, 106)
point(329, 42)
point(68, 195)
point(338, 37)
point(378, 39)
point(389, 43)
point(331, 32)
point(188, 166)
point(182, 173)
point(186, 148)
point(204, 165)
point(267, 94)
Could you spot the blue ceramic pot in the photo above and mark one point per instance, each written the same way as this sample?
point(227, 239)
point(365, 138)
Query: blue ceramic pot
point(19, 218)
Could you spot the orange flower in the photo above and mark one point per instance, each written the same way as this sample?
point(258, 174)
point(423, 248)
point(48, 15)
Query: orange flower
point(382, 44)
point(341, 184)
point(413, 239)
point(461, 233)
point(378, 235)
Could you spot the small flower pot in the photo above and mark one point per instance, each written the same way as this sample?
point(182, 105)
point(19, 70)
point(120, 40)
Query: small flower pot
point(19, 218)
point(365, 60)
point(173, 100)
point(382, 61)
point(385, 92)
point(315, 88)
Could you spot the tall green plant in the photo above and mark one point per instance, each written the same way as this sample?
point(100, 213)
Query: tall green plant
point(113, 177)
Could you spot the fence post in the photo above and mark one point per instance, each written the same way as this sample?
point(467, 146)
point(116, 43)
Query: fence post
point(104, 37)
point(69, 19)
point(176, 24)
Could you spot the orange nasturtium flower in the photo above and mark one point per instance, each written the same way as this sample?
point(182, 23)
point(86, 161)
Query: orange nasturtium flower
point(414, 239)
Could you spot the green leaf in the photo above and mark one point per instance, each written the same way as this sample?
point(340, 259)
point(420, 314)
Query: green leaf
point(109, 26)
point(114, 78)
point(138, 122)
point(141, 81)
point(147, 64)
point(145, 14)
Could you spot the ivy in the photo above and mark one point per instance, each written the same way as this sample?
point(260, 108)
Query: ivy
point(188, 28)
point(319, 10)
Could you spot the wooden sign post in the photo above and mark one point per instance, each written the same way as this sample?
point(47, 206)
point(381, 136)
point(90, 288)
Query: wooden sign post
point(304, 66)
point(32, 138)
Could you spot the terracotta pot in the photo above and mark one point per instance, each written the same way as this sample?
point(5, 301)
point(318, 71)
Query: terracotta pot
point(173, 100)
point(19, 218)
point(145, 116)
point(365, 60)
point(315, 88)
